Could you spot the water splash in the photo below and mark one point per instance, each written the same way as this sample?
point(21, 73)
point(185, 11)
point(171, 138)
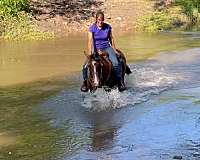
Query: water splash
point(143, 83)
point(150, 77)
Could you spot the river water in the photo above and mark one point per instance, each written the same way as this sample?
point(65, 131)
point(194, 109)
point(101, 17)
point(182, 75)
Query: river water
point(157, 117)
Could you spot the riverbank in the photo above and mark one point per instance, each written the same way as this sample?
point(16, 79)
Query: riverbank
point(64, 17)
point(36, 20)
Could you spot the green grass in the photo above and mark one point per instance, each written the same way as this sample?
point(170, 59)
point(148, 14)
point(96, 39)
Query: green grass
point(22, 28)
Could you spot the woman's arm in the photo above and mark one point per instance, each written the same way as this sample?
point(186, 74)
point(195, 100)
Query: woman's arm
point(90, 41)
point(112, 42)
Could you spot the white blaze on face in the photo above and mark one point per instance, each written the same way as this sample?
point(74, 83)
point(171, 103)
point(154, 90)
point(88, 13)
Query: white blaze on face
point(95, 74)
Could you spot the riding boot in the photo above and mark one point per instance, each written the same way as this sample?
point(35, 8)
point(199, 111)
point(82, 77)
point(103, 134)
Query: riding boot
point(84, 87)
point(128, 70)
point(121, 86)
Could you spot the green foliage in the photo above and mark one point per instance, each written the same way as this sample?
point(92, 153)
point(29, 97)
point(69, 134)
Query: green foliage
point(20, 27)
point(171, 18)
point(12, 7)
point(16, 24)
point(157, 21)
point(181, 14)
point(191, 9)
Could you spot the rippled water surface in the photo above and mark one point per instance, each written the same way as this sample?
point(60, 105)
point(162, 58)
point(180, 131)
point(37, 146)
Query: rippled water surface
point(157, 117)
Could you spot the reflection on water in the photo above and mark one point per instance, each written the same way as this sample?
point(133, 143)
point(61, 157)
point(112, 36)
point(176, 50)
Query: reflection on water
point(102, 139)
point(144, 122)
point(102, 135)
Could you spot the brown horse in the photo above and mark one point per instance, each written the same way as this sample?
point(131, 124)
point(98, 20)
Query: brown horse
point(101, 72)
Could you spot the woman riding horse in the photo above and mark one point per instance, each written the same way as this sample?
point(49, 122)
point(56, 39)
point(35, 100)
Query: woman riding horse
point(101, 72)
point(101, 40)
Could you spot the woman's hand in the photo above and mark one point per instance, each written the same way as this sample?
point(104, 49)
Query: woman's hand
point(88, 55)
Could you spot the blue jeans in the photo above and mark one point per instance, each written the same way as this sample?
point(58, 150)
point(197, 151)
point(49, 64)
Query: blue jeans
point(113, 59)
point(115, 63)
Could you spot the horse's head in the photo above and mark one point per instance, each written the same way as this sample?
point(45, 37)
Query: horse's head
point(94, 73)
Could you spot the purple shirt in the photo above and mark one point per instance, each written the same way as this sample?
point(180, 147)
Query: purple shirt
point(101, 36)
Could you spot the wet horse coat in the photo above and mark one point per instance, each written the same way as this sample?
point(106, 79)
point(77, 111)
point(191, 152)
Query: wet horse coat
point(101, 73)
